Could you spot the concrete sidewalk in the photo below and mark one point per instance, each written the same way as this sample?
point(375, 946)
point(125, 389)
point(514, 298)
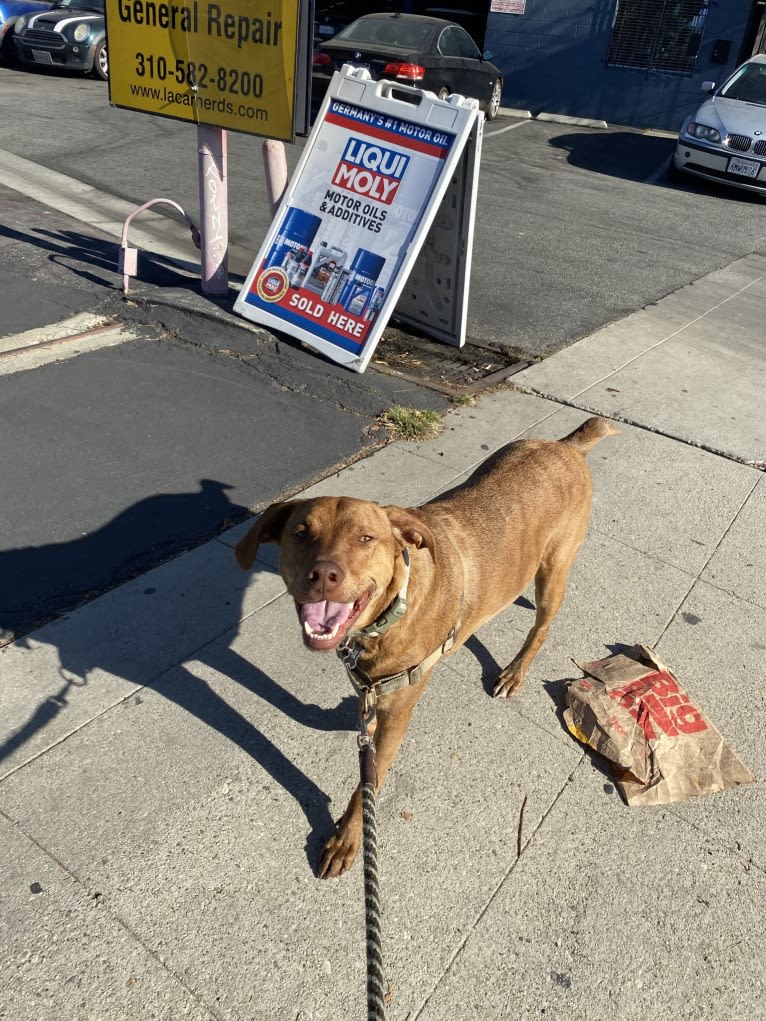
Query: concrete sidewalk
point(172, 758)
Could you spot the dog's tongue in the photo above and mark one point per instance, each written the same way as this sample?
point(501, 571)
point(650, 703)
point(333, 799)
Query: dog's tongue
point(324, 617)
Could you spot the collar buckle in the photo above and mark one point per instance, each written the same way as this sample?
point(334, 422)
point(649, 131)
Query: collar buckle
point(349, 653)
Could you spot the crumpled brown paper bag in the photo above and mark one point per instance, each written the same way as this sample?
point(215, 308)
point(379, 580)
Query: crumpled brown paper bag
point(633, 710)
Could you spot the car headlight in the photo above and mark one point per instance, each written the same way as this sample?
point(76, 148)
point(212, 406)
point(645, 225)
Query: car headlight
point(703, 131)
point(19, 24)
point(81, 33)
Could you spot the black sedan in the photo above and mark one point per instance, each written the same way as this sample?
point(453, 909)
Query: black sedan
point(426, 52)
point(70, 36)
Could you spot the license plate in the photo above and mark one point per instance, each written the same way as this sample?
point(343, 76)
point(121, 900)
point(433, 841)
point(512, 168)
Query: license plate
point(42, 56)
point(326, 30)
point(746, 168)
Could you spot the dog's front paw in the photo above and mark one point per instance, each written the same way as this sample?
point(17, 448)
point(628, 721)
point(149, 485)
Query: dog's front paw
point(339, 852)
point(508, 681)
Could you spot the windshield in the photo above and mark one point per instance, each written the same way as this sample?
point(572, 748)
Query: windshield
point(748, 85)
point(387, 32)
point(80, 5)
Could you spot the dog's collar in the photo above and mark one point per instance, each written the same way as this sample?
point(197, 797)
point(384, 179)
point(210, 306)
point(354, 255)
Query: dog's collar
point(390, 616)
point(371, 690)
point(350, 649)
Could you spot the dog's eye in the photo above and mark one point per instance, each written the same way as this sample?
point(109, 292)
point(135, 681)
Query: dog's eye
point(301, 533)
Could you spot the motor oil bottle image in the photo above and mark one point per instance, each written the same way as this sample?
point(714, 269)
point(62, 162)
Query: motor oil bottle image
point(292, 260)
point(325, 264)
point(374, 304)
point(295, 236)
point(298, 276)
point(365, 269)
point(337, 282)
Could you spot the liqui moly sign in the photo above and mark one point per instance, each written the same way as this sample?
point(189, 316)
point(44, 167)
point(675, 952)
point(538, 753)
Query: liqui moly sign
point(370, 170)
point(355, 215)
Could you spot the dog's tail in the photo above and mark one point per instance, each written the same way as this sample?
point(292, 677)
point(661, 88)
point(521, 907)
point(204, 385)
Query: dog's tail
point(589, 433)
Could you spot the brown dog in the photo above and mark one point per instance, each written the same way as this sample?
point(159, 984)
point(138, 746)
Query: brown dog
point(522, 514)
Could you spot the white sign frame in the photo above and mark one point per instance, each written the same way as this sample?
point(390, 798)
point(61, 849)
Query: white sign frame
point(435, 296)
point(375, 169)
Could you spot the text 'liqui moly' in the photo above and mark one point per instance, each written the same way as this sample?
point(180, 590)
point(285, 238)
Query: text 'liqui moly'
point(370, 170)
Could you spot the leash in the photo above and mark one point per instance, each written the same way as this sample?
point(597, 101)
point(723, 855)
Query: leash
point(376, 1010)
point(369, 691)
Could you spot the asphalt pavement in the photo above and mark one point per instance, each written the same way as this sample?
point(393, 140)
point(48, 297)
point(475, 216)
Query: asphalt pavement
point(171, 757)
point(161, 416)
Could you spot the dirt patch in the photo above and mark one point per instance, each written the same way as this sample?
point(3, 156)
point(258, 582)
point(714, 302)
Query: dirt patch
point(450, 370)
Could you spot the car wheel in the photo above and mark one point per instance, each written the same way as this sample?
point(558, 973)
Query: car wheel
point(493, 106)
point(7, 52)
point(101, 62)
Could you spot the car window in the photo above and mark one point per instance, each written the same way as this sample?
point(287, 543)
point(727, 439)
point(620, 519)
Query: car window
point(386, 32)
point(748, 84)
point(80, 5)
point(447, 44)
point(466, 46)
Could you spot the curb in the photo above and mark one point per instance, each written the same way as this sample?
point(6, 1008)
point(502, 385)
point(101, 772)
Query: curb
point(586, 122)
point(556, 118)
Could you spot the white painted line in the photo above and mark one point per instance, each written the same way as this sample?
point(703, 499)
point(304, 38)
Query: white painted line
point(508, 127)
point(35, 356)
point(151, 231)
point(79, 323)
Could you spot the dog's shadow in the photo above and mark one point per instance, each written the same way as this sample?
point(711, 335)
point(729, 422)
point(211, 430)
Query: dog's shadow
point(201, 701)
point(490, 668)
point(555, 689)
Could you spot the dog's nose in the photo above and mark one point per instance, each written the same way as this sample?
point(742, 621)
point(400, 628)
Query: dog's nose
point(326, 576)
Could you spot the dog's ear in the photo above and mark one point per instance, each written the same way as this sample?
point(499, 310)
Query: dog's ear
point(268, 528)
point(410, 531)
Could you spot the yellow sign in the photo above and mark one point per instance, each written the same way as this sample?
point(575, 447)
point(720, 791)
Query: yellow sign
point(224, 63)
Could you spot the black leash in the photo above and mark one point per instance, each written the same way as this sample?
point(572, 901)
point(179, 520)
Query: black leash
point(369, 690)
point(368, 776)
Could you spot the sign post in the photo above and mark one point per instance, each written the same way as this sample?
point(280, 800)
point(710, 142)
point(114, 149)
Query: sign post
point(356, 213)
point(212, 147)
point(240, 65)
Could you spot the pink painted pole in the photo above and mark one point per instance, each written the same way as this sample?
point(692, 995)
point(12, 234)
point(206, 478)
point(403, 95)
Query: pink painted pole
point(275, 165)
point(214, 208)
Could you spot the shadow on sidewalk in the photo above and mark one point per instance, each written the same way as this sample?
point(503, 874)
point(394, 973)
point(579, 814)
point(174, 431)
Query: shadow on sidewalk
point(83, 254)
point(490, 668)
point(38, 583)
point(64, 575)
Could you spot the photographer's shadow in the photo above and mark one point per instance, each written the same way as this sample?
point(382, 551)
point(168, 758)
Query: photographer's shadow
point(112, 552)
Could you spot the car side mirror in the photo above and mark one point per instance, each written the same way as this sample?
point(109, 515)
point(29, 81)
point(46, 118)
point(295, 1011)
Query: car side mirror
point(708, 86)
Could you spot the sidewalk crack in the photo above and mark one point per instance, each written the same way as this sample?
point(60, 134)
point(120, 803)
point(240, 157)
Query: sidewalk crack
point(522, 846)
point(623, 420)
point(96, 899)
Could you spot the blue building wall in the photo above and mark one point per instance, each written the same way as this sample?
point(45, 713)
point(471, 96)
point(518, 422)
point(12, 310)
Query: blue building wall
point(553, 58)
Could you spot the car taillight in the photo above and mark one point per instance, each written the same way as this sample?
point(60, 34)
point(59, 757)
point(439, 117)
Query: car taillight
point(404, 72)
point(322, 60)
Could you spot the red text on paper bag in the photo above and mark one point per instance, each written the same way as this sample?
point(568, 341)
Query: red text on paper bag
point(658, 700)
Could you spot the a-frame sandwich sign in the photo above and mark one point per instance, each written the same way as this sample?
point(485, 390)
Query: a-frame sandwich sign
point(376, 222)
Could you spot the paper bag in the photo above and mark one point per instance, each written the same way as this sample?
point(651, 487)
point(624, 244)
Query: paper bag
point(632, 710)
